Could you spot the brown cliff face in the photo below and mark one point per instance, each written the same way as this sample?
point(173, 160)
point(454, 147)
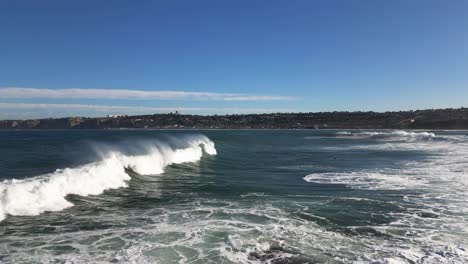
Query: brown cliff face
point(421, 119)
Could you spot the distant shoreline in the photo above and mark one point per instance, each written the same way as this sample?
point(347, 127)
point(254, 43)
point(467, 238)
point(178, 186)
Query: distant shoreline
point(446, 119)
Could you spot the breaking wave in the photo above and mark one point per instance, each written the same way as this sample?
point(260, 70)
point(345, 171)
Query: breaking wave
point(48, 192)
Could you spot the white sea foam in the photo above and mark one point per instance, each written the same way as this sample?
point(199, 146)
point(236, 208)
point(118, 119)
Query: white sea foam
point(445, 165)
point(436, 185)
point(367, 180)
point(343, 133)
point(222, 231)
point(398, 134)
point(48, 192)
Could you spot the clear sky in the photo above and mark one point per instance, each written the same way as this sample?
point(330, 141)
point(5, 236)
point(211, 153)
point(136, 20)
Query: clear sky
point(92, 58)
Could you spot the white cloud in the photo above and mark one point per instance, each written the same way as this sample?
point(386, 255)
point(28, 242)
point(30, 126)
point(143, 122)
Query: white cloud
point(76, 93)
point(90, 107)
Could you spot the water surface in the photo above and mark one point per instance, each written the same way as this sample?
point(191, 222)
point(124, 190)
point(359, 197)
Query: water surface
point(233, 196)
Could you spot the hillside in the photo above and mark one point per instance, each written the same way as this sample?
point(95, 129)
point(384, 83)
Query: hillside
point(420, 119)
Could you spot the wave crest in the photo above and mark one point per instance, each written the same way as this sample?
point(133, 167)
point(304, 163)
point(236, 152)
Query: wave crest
point(48, 192)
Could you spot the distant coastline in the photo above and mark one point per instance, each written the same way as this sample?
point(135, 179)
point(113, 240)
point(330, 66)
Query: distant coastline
point(419, 119)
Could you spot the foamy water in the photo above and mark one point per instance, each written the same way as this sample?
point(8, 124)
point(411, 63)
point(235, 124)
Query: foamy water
point(266, 197)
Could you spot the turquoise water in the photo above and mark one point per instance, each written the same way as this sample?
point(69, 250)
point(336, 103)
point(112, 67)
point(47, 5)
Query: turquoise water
point(234, 196)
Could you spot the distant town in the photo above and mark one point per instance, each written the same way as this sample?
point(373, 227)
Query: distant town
point(419, 119)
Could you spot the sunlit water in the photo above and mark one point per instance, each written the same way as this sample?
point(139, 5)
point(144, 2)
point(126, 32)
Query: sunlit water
point(224, 196)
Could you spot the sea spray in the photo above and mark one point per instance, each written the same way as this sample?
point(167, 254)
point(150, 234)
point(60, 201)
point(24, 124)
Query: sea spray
point(48, 192)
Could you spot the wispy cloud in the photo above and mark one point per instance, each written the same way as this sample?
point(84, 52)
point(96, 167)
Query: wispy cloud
point(77, 93)
point(92, 107)
point(32, 110)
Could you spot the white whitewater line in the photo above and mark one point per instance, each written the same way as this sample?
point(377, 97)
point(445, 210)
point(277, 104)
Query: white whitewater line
point(423, 135)
point(36, 195)
point(367, 180)
point(444, 167)
point(438, 213)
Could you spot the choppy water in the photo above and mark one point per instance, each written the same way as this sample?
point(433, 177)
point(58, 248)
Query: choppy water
point(270, 196)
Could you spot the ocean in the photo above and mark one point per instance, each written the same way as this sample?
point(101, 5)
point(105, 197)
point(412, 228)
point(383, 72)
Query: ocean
point(233, 196)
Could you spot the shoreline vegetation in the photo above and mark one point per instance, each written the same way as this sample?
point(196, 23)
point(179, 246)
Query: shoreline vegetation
point(419, 119)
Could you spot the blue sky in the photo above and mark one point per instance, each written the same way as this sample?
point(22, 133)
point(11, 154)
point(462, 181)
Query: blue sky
point(67, 58)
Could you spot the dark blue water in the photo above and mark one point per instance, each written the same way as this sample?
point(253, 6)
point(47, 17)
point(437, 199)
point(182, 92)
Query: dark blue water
point(233, 196)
